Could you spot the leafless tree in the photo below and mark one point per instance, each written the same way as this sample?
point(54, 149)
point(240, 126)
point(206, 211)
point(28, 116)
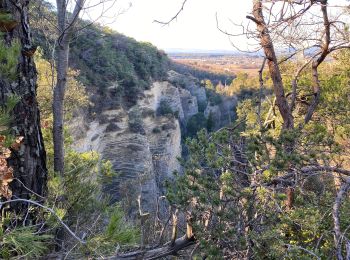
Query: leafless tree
point(67, 25)
point(314, 28)
point(283, 30)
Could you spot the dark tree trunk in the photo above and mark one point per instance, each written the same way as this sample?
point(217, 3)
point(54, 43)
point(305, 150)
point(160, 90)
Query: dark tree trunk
point(269, 50)
point(267, 45)
point(29, 163)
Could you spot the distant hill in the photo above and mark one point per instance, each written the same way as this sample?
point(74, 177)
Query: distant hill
point(174, 51)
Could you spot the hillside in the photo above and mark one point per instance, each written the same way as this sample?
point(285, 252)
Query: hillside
point(142, 110)
point(105, 57)
point(111, 150)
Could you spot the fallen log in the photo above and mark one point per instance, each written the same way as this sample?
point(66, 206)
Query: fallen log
point(156, 253)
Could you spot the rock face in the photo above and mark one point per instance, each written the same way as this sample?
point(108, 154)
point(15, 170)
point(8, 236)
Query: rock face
point(163, 91)
point(223, 113)
point(189, 104)
point(143, 145)
point(143, 160)
point(190, 83)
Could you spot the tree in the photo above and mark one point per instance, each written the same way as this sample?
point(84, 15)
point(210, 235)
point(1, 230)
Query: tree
point(249, 191)
point(66, 24)
point(28, 163)
point(330, 35)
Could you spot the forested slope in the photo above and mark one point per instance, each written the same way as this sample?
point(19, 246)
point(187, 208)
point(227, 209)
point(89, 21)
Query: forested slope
point(264, 173)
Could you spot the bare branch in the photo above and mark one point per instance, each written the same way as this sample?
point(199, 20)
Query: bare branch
point(261, 81)
point(174, 17)
point(156, 253)
point(336, 218)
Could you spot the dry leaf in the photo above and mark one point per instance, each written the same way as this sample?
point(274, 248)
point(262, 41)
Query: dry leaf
point(17, 144)
point(6, 172)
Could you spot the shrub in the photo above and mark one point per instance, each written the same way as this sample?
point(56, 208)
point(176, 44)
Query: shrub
point(22, 241)
point(196, 123)
point(213, 98)
point(202, 106)
point(147, 112)
point(136, 126)
point(80, 199)
point(156, 130)
point(135, 121)
point(210, 122)
point(6, 17)
point(112, 127)
point(103, 119)
point(164, 108)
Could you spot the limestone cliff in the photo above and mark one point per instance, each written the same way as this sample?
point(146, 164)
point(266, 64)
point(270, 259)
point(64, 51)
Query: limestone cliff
point(143, 157)
point(222, 114)
point(142, 143)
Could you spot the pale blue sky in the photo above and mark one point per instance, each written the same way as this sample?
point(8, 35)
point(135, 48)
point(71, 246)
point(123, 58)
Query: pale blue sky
point(195, 27)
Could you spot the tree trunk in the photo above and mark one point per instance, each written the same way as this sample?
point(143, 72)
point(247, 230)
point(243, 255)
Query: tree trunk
point(317, 63)
point(65, 29)
point(29, 163)
point(267, 45)
point(275, 73)
point(57, 106)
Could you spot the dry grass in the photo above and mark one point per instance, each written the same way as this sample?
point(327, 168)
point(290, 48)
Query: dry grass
point(230, 65)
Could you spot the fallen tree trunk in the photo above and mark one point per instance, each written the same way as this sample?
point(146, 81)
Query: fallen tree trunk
point(156, 253)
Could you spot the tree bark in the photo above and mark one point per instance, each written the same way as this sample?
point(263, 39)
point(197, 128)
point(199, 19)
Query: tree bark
point(58, 104)
point(336, 219)
point(66, 29)
point(316, 63)
point(268, 47)
point(29, 163)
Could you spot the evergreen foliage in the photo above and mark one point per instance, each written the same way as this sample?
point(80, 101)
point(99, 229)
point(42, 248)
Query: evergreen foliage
point(233, 189)
point(196, 123)
point(164, 108)
point(22, 241)
point(249, 190)
point(77, 197)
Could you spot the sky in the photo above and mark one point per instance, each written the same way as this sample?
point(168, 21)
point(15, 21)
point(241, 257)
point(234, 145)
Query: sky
point(195, 27)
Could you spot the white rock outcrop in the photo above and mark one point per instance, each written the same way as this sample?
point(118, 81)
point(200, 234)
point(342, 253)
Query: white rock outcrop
point(145, 160)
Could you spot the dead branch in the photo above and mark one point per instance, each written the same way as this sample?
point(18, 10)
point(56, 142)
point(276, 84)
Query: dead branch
point(261, 82)
point(156, 253)
point(174, 17)
point(336, 218)
point(316, 63)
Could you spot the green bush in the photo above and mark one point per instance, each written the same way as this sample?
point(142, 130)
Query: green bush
point(22, 242)
point(202, 106)
point(164, 108)
point(210, 122)
point(5, 17)
point(80, 198)
point(213, 97)
point(135, 121)
point(196, 123)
